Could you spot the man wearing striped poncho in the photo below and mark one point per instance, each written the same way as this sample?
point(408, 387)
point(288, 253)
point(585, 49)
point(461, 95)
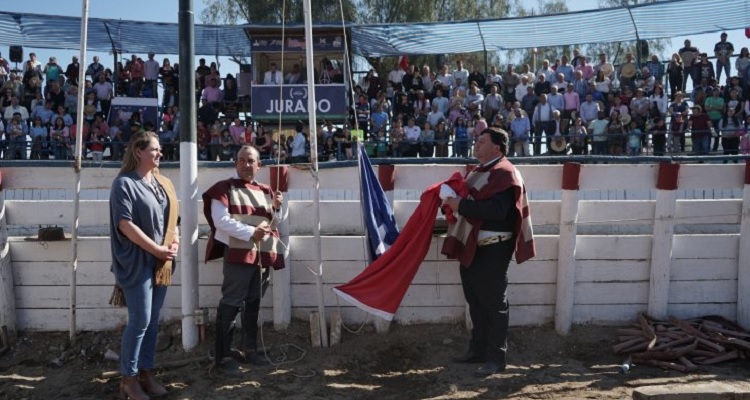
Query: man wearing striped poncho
point(492, 223)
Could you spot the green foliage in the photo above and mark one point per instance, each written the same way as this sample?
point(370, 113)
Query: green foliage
point(268, 11)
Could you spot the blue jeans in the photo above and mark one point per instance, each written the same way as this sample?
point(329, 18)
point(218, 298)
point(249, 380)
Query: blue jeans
point(702, 145)
point(139, 338)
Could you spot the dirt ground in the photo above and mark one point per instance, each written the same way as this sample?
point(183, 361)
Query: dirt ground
point(410, 362)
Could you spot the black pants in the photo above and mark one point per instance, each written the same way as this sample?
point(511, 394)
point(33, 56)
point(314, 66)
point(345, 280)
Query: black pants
point(242, 289)
point(485, 285)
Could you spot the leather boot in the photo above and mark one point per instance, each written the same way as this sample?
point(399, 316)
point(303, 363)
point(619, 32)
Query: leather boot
point(225, 316)
point(250, 335)
point(130, 389)
point(149, 384)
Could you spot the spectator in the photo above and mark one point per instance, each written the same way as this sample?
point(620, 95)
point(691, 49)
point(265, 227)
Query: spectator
point(689, 55)
point(32, 67)
point(730, 127)
point(94, 69)
point(715, 108)
point(520, 129)
point(460, 138)
point(44, 112)
point(659, 136)
point(151, 74)
point(15, 133)
point(427, 141)
point(549, 73)
point(16, 108)
point(168, 76)
point(656, 68)
point(272, 76)
point(675, 75)
point(212, 93)
point(55, 94)
point(4, 69)
point(705, 69)
point(723, 51)
point(52, 71)
point(542, 121)
point(587, 71)
point(565, 69)
point(136, 76)
point(634, 139)
point(578, 137)
point(39, 136)
point(741, 64)
point(510, 81)
point(103, 93)
point(72, 71)
point(60, 136)
point(604, 66)
point(298, 145)
point(699, 126)
point(67, 119)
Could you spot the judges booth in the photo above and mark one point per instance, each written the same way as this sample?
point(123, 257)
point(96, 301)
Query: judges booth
point(280, 75)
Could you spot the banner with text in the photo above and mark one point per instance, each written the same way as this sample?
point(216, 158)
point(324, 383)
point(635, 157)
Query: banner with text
point(266, 104)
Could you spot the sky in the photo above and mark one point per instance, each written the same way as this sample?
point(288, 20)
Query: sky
point(166, 11)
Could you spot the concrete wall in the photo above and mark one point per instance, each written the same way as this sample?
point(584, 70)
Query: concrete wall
point(612, 265)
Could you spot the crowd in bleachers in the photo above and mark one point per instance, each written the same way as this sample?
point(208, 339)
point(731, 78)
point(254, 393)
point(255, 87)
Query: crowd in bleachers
point(567, 106)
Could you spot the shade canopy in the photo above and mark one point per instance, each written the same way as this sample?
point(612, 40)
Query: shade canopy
point(657, 20)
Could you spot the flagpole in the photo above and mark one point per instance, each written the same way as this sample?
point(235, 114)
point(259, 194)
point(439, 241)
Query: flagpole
point(77, 169)
point(313, 129)
point(362, 203)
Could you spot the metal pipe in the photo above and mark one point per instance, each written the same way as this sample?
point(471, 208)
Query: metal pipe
point(188, 178)
point(313, 128)
point(77, 168)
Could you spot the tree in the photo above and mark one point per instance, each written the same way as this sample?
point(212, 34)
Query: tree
point(616, 51)
point(270, 11)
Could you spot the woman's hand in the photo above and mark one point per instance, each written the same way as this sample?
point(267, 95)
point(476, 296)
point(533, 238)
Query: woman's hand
point(165, 253)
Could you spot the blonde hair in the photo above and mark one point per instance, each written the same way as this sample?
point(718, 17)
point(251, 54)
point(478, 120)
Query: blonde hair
point(139, 140)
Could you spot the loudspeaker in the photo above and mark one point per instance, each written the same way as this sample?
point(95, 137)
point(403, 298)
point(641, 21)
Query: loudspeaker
point(16, 54)
point(643, 48)
point(246, 68)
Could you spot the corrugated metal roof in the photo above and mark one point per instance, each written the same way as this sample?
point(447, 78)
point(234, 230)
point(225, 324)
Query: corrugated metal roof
point(653, 21)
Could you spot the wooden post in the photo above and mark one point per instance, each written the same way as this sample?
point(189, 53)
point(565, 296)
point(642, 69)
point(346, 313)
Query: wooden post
point(743, 267)
point(7, 289)
point(661, 248)
point(387, 179)
point(282, 286)
point(566, 249)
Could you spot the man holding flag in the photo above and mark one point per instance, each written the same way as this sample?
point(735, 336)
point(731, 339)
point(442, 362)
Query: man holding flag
point(492, 222)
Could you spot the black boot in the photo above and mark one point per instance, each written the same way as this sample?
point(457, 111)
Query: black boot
point(250, 335)
point(225, 316)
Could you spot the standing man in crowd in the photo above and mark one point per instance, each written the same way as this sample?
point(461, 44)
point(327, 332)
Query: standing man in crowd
point(151, 73)
point(723, 51)
point(95, 69)
point(242, 214)
point(689, 55)
point(492, 222)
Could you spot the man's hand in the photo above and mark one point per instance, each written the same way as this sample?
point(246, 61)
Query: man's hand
point(278, 199)
point(261, 231)
point(452, 203)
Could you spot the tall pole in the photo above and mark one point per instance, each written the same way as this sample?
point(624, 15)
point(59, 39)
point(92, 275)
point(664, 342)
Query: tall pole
point(77, 168)
point(313, 128)
point(188, 178)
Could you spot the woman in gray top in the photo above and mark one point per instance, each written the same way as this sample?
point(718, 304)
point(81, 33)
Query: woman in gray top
point(140, 202)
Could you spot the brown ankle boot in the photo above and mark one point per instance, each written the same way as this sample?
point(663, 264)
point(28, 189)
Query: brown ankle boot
point(130, 389)
point(149, 384)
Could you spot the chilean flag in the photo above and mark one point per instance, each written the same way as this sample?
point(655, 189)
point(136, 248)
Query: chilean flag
point(377, 213)
point(380, 288)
